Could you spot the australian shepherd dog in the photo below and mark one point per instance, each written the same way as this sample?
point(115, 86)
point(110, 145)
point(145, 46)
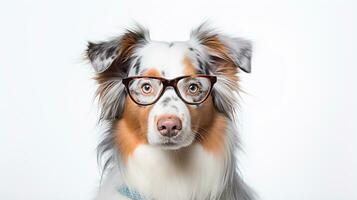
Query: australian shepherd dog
point(170, 109)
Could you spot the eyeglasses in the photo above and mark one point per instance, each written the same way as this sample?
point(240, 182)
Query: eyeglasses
point(147, 90)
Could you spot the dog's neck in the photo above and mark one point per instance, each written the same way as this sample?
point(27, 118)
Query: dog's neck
point(189, 173)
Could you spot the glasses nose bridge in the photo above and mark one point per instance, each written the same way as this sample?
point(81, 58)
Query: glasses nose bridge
point(169, 83)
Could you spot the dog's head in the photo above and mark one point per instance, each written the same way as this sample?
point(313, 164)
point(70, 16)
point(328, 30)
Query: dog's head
point(168, 94)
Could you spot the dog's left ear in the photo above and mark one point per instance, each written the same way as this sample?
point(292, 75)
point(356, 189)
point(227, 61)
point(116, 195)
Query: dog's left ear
point(239, 51)
point(222, 49)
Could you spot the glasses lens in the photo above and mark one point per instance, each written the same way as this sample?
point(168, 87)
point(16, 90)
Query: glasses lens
point(194, 89)
point(145, 90)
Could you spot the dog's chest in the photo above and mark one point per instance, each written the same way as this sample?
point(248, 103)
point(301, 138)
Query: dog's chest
point(193, 174)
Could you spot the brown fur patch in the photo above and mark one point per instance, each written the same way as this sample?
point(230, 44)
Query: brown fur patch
point(208, 125)
point(188, 68)
point(128, 43)
point(131, 129)
point(152, 72)
point(223, 63)
point(212, 137)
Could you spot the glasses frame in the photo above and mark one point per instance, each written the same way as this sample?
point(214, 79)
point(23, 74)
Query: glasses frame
point(170, 83)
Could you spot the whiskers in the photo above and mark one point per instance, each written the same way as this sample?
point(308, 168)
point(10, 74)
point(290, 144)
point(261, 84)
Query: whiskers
point(200, 133)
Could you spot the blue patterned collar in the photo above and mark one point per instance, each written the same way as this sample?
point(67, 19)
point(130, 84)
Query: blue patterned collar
point(129, 193)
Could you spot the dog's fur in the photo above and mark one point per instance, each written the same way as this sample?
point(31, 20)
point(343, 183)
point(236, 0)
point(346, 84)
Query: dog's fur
point(202, 165)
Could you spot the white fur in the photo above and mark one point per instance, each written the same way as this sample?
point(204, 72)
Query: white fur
point(162, 57)
point(175, 107)
point(191, 173)
point(160, 174)
point(157, 174)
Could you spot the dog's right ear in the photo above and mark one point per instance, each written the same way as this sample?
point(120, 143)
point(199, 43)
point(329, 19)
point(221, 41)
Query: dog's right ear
point(102, 55)
point(116, 51)
point(111, 61)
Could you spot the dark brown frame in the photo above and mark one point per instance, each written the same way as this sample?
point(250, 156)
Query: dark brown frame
point(170, 83)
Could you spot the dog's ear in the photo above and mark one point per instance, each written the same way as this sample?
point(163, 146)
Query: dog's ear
point(102, 55)
point(239, 51)
point(111, 60)
point(223, 49)
point(117, 51)
point(223, 56)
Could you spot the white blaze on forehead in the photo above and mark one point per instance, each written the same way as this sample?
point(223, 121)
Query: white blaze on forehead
point(167, 59)
point(163, 56)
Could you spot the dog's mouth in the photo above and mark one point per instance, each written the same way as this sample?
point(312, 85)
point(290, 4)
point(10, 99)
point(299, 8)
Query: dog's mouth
point(173, 143)
point(169, 143)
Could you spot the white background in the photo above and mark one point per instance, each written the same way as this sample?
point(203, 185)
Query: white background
point(298, 120)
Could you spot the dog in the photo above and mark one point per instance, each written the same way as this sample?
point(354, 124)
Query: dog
point(170, 110)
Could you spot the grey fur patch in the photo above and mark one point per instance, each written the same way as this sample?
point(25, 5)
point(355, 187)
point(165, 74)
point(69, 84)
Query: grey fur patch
point(103, 54)
point(236, 188)
point(137, 67)
point(240, 51)
point(174, 107)
point(105, 154)
point(224, 97)
point(166, 101)
point(112, 100)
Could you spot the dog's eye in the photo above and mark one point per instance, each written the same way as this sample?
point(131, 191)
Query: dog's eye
point(146, 88)
point(193, 88)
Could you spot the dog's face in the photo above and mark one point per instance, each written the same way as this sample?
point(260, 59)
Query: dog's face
point(170, 122)
point(143, 94)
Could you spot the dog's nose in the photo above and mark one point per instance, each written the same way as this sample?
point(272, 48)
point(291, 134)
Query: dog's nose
point(169, 125)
